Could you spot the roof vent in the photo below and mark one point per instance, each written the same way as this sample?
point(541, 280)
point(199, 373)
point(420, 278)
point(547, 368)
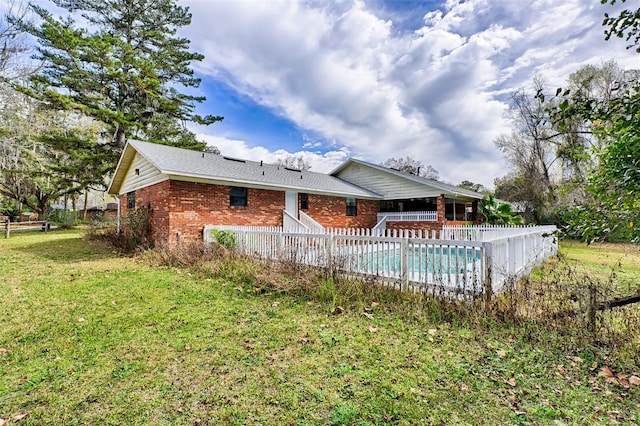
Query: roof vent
point(293, 170)
point(234, 159)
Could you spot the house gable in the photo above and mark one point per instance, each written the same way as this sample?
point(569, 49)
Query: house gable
point(393, 184)
point(141, 173)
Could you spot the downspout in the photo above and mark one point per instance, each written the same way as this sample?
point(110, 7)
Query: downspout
point(118, 217)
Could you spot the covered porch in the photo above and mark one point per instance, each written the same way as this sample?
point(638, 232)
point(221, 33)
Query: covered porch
point(426, 212)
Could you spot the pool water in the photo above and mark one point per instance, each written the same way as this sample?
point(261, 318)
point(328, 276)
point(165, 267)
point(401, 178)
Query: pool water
point(438, 260)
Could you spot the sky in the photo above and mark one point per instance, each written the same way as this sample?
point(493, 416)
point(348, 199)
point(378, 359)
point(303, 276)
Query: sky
point(374, 79)
point(327, 80)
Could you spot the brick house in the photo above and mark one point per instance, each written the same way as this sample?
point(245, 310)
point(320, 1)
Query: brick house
point(186, 190)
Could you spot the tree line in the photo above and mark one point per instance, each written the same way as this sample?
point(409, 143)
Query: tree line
point(101, 72)
point(574, 151)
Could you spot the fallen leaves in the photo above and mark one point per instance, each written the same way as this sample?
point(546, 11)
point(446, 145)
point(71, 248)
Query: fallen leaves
point(606, 373)
point(337, 310)
point(517, 411)
point(619, 379)
point(16, 418)
point(511, 382)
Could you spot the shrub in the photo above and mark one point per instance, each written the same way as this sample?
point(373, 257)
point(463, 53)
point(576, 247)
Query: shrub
point(225, 238)
point(135, 233)
point(65, 219)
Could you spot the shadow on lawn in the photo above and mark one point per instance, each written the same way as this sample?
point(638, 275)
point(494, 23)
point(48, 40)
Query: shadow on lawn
point(68, 247)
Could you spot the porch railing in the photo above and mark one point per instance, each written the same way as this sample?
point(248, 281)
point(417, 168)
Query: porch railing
point(290, 223)
point(310, 222)
point(409, 216)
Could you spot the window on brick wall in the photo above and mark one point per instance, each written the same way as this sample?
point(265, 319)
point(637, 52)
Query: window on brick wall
point(304, 201)
point(131, 200)
point(238, 196)
point(352, 207)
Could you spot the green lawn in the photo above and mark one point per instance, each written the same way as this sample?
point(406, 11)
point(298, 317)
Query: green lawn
point(87, 337)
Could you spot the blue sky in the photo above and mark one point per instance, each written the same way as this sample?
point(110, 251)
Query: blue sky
point(326, 80)
point(373, 79)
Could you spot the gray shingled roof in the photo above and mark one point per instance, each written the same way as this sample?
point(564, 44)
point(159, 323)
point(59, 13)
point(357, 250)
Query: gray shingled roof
point(446, 188)
point(187, 164)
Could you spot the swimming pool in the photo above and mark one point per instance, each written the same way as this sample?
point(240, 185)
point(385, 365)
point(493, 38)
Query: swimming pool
point(420, 259)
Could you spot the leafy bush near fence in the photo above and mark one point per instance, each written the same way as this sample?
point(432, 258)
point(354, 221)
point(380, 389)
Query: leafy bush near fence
point(226, 239)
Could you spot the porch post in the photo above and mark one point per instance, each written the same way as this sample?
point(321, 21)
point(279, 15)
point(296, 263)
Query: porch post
point(474, 211)
point(440, 206)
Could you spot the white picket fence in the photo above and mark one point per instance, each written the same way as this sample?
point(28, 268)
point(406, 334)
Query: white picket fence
point(406, 259)
point(489, 232)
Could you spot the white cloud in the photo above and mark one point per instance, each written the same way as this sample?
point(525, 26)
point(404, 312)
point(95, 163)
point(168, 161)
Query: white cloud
point(320, 162)
point(436, 94)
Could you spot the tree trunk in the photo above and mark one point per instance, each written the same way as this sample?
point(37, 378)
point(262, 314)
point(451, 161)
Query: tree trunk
point(86, 204)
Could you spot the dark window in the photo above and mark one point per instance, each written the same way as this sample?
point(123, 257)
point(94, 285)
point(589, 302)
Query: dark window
point(304, 201)
point(131, 200)
point(352, 207)
point(238, 196)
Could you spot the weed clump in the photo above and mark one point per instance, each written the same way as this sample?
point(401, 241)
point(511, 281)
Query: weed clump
point(134, 236)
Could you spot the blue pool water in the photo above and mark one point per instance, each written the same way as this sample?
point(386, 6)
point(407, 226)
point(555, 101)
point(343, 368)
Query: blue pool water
point(420, 260)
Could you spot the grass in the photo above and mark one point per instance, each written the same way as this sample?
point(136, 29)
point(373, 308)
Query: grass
point(88, 337)
point(602, 260)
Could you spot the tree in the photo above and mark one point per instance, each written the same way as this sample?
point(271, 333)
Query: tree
point(13, 45)
point(293, 163)
point(120, 63)
point(552, 154)
point(497, 213)
point(34, 172)
point(411, 166)
point(624, 25)
point(614, 212)
point(472, 186)
point(531, 152)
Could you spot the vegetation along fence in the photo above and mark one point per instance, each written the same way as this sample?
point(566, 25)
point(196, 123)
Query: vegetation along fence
point(408, 259)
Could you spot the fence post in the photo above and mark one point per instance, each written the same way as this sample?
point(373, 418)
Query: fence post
point(7, 229)
point(591, 309)
point(404, 263)
point(330, 248)
point(487, 273)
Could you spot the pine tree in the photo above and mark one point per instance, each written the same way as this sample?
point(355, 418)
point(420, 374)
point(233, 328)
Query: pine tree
point(120, 63)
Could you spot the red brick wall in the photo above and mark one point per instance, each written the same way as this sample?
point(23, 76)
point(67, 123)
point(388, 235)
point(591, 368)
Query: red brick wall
point(193, 205)
point(429, 226)
point(156, 197)
point(185, 207)
point(331, 212)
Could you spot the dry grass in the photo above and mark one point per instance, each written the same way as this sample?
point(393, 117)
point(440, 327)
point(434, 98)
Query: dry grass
point(89, 337)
